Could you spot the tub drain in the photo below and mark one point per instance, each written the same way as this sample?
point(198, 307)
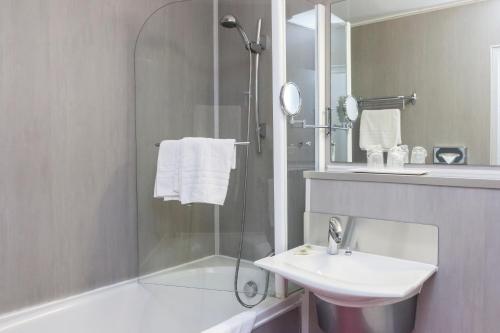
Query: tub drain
point(250, 289)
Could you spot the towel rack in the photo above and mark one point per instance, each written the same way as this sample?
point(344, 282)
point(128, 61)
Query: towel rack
point(245, 143)
point(399, 102)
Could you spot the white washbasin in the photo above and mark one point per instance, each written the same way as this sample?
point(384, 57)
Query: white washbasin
point(358, 280)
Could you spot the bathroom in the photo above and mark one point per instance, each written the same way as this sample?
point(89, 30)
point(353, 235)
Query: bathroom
point(340, 161)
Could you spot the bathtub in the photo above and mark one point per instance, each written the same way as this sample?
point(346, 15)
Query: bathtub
point(213, 273)
point(186, 299)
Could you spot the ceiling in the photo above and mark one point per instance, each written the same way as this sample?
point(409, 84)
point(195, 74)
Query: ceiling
point(367, 11)
point(308, 19)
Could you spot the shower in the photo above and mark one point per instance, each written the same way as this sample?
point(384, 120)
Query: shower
point(254, 50)
point(230, 22)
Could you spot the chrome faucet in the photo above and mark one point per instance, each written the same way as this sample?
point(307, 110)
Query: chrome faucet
point(334, 236)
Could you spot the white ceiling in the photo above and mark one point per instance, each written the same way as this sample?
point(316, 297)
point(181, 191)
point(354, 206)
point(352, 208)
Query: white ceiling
point(308, 19)
point(367, 11)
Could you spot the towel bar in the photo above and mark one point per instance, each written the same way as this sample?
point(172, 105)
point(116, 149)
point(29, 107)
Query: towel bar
point(387, 102)
point(246, 143)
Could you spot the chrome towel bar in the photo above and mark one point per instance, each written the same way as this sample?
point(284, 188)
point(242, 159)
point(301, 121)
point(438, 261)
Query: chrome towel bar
point(387, 102)
point(245, 143)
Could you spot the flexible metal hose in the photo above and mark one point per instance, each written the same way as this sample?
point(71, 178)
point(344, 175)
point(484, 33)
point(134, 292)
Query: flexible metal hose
point(244, 208)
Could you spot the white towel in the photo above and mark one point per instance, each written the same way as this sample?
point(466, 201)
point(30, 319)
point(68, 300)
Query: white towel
point(167, 171)
point(380, 127)
point(241, 323)
point(205, 166)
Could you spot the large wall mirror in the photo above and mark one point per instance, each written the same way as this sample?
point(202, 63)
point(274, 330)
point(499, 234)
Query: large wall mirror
point(435, 61)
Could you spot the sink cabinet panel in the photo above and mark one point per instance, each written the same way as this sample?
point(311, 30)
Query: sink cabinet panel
point(464, 296)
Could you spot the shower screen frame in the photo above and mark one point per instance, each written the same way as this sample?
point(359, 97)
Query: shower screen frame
point(280, 120)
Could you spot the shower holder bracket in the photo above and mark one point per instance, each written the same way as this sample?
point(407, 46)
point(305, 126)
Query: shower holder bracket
point(262, 130)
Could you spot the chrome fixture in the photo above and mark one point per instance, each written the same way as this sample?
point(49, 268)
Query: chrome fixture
point(291, 105)
point(334, 236)
point(350, 109)
point(236, 144)
point(251, 289)
point(231, 22)
point(254, 48)
point(399, 102)
point(257, 48)
point(393, 318)
point(291, 99)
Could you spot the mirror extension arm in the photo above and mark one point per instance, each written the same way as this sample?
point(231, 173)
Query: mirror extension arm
point(291, 104)
point(304, 124)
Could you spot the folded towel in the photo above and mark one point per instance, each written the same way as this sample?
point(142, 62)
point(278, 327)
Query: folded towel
point(205, 166)
point(167, 171)
point(380, 128)
point(241, 323)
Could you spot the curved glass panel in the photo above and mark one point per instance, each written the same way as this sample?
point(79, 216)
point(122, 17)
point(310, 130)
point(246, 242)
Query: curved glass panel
point(192, 83)
point(174, 99)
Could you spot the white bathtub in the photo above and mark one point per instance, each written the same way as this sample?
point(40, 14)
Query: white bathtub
point(151, 306)
point(213, 273)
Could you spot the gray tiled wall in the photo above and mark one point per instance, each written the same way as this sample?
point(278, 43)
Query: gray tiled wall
point(67, 166)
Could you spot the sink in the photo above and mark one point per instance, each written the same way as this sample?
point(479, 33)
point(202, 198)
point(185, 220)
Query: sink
point(356, 280)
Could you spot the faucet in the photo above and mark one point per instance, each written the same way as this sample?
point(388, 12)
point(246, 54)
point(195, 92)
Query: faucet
point(334, 236)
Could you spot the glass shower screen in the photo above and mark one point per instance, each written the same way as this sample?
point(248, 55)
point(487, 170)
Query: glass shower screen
point(191, 81)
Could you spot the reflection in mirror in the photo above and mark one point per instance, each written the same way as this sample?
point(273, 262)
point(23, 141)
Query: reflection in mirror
point(341, 133)
point(291, 99)
point(447, 51)
point(351, 108)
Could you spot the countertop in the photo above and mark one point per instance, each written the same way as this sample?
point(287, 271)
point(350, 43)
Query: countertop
point(473, 177)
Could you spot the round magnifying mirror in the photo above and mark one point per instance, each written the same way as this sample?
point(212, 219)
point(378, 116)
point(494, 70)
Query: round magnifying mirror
point(291, 99)
point(351, 108)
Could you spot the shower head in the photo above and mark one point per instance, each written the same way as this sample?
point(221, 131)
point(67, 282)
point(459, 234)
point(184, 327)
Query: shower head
point(230, 22)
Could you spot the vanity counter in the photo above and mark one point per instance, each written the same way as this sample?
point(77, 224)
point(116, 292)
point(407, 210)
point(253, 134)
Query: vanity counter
point(473, 177)
point(463, 203)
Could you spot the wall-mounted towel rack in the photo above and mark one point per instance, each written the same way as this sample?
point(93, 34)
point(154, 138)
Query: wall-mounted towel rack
point(245, 143)
point(399, 102)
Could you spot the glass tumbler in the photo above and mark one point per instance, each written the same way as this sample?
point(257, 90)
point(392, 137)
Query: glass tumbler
point(396, 158)
point(375, 157)
point(418, 155)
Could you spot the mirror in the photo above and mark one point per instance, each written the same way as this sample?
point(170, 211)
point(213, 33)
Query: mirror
point(351, 108)
point(445, 51)
point(291, 99)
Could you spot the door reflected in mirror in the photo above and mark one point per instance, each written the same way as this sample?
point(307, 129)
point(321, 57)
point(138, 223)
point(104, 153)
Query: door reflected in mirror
point(447, 53)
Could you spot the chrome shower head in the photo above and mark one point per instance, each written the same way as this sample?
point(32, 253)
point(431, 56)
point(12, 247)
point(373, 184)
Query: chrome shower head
point(230, 22)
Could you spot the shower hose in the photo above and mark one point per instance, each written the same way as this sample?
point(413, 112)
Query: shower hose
point(244, 208)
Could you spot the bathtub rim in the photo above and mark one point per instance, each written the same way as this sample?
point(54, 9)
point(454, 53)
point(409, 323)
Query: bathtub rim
point(266, 312)
point(25, 315)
